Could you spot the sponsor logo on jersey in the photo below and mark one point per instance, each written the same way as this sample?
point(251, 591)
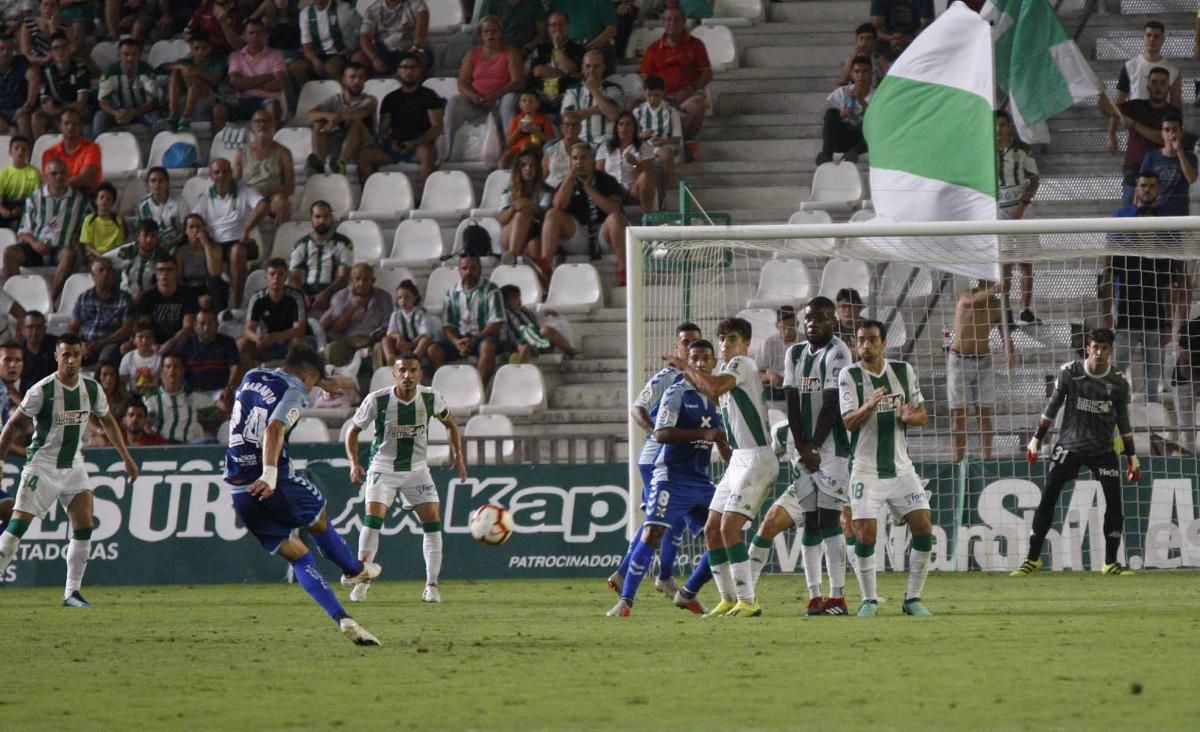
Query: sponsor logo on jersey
point(1095, 406)
point(404, 431)
point(809, 384)
point(890, 403)
point(71, 418)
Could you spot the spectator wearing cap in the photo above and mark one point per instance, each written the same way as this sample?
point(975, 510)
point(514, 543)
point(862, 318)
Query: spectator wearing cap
point(681, 61)
point(771, 354)
point(849, 314)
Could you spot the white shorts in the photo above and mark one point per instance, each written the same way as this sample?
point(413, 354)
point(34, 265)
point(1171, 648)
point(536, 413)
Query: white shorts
point(825, 488)
point(415, 487)
point(748, 481)
point(902, 495)
point(970, 381)
point(40, 487)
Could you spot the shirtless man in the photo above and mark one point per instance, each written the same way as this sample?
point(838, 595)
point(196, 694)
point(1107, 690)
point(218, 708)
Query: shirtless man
point(970, 377)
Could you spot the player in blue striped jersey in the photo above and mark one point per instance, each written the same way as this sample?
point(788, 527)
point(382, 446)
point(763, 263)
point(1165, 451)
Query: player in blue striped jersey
point(273, 501)
point(687, 425)
point(643, 412)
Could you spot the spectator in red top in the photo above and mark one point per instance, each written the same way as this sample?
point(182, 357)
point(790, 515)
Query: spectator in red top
point(81, 155)
point(137, 428)
point(681, 61)
point(222, 21)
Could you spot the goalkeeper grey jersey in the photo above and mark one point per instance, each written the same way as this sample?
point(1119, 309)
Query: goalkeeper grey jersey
point(1095, 403)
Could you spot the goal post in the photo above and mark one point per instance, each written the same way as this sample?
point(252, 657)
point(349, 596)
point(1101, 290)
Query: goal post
point(911, 276)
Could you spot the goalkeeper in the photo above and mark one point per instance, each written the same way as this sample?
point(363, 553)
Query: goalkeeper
point(1097, 398)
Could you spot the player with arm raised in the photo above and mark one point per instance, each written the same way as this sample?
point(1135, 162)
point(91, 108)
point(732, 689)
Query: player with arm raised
point(881, 399)
point(752, 466)
point(1097, 399)
point(401, 414)
point(814, 501)
point(643, 412)
point(59, 407)
point(273, 502)
point(686, 427)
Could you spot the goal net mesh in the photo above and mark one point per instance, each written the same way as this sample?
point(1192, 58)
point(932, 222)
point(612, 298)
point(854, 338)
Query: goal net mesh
point(983, 491)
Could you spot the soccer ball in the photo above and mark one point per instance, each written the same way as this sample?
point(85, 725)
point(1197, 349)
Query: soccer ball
point(491, 524)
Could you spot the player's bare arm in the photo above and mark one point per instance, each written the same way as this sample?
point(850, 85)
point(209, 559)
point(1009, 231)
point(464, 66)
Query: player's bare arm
point(357, 472)
point(712, 386)
point(914, 415)
point(113, 431)
point(18, 422)
point(855, 419)
point(458, 457)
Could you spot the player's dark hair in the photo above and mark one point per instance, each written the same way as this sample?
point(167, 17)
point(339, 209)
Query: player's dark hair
point(1004, 113)
point(850, 295)
point(877, 324)
point(57, 36)
point(1102, 336)
point(867, 28)
point(199, 35)
point(144, 326)
point(1155, 25)
point(860, 61)
point(786, 313)
point(255, 22)
point(407, 356)
point(410, 56)
point(740, 326)
point(702, 343)
point(820, 302)
point(654, 83)
point(1158, 70)
point(683, 327)
point(354, 66)
point(137, 403)
point(158, 169)
point(70, 339)
point(300, 355)
point(277, 263)
point(35, 314)
point(1172, 115)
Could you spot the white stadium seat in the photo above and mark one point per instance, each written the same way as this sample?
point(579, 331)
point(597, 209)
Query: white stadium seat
point(40, 146)
point(365, 435)
point(168, 52)
point(762, 326)
point(309, 430)
point(389, 278)
point(835, 187)
point(104, 54)
point(333, 188)
point(737, 13)
point(521, 275)
point(223, 433)
point(286, 236)
point(493, 187)
point(445, 86)
point(441, 281)
point(195, 187)
point(839, 273)
point(488, 425)
point(380, 378)
point(782, 282)
point(164, 140)
point(445, 17)
point(219, 149)
point(718, 41)
point(30, 291)
point(448, 194)
point(574, 288)
point(385, 197)
point(298, 140)
point(5, 157)
point(517, 389)
point(380, 88)
point(630, 83)
point(128, 194)
point(76, 285)
point(641, 39)
point(120, 156)
point(490, 224)
point(255, 281)
point(861, 215)
point(811, 218)
point(311, 94)
point(416, 242)
point(460, 386)
point(367, 238)
point(437, 452)
point(897, 328)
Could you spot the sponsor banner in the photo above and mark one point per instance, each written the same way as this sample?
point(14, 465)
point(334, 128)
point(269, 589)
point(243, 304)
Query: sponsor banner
point(176, 524)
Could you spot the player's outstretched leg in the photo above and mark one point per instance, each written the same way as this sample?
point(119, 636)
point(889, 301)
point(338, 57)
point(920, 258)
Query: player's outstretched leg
point(368, 546)
point(313, 582)
point(687, 596)
point(671, 541)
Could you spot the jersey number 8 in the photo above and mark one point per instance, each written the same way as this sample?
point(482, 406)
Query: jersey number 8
point(251, 433)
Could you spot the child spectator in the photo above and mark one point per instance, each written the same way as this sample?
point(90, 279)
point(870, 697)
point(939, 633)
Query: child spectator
point(140, 367)
point(158, 206)
point(531, 129)
point(408, 330)
point(526, 334)
point(103, 229)
point(662, 127)
point(199, 75)
point(17, 181)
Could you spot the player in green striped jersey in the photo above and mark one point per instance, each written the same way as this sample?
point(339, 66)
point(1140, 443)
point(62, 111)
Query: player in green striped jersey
point(60, 406)
point(400, 416)
point(752, 467)
point(880, 400)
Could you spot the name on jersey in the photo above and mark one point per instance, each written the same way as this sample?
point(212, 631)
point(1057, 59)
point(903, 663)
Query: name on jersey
point(890, 403)
point(1095, 406)
point(404, 431)
point(71, 418)
point(264, 391)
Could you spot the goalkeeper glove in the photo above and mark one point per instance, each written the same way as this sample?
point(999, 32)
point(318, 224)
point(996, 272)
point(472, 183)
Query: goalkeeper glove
point(1033, 450)
point(1133, 473)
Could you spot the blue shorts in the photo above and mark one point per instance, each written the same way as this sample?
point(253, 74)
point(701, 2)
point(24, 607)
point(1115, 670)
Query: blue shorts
point(393, 154)
point(679, 504)
point(295, 504)
point(4, 495)
point(647, 471)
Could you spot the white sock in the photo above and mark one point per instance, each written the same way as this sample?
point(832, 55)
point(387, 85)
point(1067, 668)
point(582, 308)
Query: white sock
point(918, 569)
point(811, 554)
point(77, 557)
point(723, 578)
point(758, 560)
point(866, 577)
point(835, 563)
point(431, 547)
point(368, 543)
point(8, 549)
point(743, 582)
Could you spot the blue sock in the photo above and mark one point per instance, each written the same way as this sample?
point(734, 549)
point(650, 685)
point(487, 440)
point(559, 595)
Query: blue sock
point(638, 564)
point(700, 575)
point(333, 547)
point(672, 540)
point(634, 543)
point(314, 584)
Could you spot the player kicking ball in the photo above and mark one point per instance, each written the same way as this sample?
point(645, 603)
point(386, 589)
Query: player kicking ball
point(881, 399)
point(1097, 398)
point(815, 500)
point(273, 502)
point(686, 428)
point(59, 406)
point(401, 414)
point(752, 466)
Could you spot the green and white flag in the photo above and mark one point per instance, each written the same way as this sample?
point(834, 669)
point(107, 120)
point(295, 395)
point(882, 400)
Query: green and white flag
point(931, 134)
point(1037, 64)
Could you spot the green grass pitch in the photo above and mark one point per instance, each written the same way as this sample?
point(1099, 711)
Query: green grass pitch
point(1054, 651)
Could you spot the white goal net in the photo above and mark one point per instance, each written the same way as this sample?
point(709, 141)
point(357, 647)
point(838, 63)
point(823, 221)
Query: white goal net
point(1136, 276)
